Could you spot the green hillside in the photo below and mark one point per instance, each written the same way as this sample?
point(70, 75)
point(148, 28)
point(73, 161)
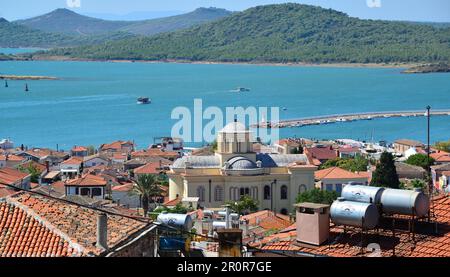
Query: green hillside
point(284, 33)
point(178, 22)
point(68, 22)
point(15, 35)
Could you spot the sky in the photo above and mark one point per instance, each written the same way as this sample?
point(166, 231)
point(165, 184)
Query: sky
point(411, 10)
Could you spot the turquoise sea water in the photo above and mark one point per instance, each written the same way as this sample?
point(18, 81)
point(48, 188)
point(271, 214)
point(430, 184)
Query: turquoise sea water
point(18, 50)
point(95, 102)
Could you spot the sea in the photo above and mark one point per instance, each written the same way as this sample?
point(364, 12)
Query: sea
point(95, 102)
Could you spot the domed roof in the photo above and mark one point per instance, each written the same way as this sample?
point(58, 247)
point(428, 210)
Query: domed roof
point(234, 127)
point(240, 163)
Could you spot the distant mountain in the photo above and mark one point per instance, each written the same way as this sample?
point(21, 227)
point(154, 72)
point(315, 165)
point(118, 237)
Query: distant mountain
point(16, 35)
point(65, 21)
point(68, 22)
point(284, 33)
point(177, 22)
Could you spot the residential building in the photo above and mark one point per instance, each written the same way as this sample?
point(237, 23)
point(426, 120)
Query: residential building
point(117, 147)
point(440, 157)
point(79, 151)
point(6, 144)
point(444, 182)
point(334, 178)
point(431, 238)
point(37, 226)
point(14, 177)
point(402, 145)
point(347, 151)
point(436, 173)
point(235, 170)
point(122, 195)
point(43, 155)
point(10, 160)
point(86, 185)
point(407, 171)
point(95, 160)
point(71, 167)
point(320, 154)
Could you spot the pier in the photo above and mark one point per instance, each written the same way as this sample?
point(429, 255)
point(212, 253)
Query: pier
point(329, 119)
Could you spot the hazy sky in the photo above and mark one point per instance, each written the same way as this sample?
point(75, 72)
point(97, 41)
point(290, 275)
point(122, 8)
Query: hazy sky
point(414, 10)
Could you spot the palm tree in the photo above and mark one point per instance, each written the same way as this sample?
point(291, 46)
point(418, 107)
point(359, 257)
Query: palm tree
point(146, 187)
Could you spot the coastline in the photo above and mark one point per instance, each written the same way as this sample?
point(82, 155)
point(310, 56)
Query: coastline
point(298, 64)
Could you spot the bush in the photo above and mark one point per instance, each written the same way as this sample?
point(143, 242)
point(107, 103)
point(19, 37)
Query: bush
point(317, 196)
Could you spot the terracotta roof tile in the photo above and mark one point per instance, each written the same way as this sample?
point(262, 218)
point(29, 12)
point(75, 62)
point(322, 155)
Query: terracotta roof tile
point(50, 227)
point(87, 180)
point(336, 173)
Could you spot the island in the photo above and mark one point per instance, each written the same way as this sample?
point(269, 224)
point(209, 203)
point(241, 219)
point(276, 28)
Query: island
point(19, 77)
point(429, 68)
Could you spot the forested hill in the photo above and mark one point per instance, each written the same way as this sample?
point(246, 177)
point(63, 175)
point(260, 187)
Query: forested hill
point(16, 35)
point(284, 33)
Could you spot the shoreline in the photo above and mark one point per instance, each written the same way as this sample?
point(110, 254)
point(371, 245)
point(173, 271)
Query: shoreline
point(295, 64)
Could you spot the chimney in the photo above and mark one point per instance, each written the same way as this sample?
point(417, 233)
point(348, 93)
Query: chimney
point(102, 231)
point(47, 166)
point(230, 242)
point(313, 223)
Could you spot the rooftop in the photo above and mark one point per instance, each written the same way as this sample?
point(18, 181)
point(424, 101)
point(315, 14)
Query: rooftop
point(409, 142)
point(36, 226)
point(10, 176)
point(87, 180)
point(336, 173)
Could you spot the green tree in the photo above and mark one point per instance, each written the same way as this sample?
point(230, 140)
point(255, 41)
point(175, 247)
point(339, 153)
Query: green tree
point(356, 164)
point(419, 160)
point(178, 209)
point(317, 196)
point(146, 187)
point(33, 171)
point(418, 184)
point(385, 174)
point(245, 205)
point(443, 145)
point(91, 150)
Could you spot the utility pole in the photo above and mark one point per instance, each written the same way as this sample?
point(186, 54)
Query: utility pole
point(430, 183)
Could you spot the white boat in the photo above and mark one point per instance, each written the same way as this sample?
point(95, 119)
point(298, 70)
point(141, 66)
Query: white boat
point(240, 89)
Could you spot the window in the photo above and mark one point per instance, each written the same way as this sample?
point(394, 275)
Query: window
point(96, 192)
point(284, 192)
point(266, 192)
point(201, 193)
point(301, 188)
point(329, 187)
point(84, 191)
point(244, 191)
point(218, 193)
point(233, 193)
point(339, 189)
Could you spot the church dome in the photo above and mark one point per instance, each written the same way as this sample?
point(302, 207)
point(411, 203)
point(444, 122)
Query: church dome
point(241, 163)
point(234, 127)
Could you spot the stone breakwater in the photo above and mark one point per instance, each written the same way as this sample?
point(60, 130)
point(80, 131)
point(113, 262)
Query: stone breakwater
point(329, 119)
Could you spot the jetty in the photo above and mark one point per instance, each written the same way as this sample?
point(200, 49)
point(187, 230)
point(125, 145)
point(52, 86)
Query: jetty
point(336, 118)
point(18, 77)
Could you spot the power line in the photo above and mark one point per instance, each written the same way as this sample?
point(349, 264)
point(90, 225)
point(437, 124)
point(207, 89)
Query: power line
point(149, 222)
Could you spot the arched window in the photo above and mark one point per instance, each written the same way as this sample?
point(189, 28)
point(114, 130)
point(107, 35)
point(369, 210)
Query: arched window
point(284, 192)
point(266, 192)
point(201, 193)
point(301, 188)
point(218, 193)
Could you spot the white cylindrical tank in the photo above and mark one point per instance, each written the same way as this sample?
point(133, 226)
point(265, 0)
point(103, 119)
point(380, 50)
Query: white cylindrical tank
point(357, 214)
point(180, 221)
point(360, 193)
point(219, 225)
point(406, 202)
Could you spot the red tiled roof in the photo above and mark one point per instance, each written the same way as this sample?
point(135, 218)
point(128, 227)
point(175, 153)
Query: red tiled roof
point(172, 202)
point(149, 168)
point(5, 191)
point(22, 235)
point(409, 142)
point(73, 160)
point(123, 188)
point(335, 173)
point(38, 166)
point(441, 156)
point(155, 153)
point(347, 149)
point(79, 149)
point(267, 220)
point(116, 145)
point(428, 243)
point(10, 176)
point(87, 180)
point(321, 153)
point(34, 225)
point(12, 157)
